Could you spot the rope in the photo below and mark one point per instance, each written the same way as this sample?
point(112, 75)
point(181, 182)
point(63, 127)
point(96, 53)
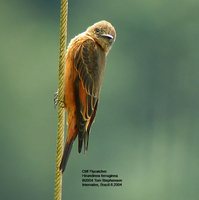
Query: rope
point(60, 128)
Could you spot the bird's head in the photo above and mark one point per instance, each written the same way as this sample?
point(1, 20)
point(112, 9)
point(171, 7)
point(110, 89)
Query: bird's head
point(103, 33)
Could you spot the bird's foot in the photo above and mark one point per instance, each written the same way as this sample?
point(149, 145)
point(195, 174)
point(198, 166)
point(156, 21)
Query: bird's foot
point(57, 101)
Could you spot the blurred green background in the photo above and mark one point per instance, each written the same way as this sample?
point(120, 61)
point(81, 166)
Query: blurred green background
point(147, 125)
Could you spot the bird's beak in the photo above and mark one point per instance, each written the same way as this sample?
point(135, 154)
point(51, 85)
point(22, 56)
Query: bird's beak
point(108, 36)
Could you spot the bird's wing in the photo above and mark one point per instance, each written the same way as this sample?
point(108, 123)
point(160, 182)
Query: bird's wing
point(86, 62)
point(89, 66)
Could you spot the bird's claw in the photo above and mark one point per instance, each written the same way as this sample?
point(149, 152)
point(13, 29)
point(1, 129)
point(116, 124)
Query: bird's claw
point(57, 101)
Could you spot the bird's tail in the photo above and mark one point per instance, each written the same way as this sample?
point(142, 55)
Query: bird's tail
point(66, 154)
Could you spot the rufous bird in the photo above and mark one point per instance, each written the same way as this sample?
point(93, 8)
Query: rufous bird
point(84, 70)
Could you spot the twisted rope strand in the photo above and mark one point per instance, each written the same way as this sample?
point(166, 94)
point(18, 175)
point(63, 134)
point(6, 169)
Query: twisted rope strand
point(60, 128)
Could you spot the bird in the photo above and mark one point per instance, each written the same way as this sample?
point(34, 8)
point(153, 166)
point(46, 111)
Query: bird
point(83, 75)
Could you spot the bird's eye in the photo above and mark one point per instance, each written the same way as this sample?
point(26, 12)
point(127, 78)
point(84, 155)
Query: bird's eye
point(97, 30)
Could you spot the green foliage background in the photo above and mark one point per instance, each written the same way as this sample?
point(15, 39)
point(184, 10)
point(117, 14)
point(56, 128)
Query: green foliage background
point(147, 125)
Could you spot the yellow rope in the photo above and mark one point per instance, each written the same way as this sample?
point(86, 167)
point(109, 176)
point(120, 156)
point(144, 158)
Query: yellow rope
point(60, 129)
